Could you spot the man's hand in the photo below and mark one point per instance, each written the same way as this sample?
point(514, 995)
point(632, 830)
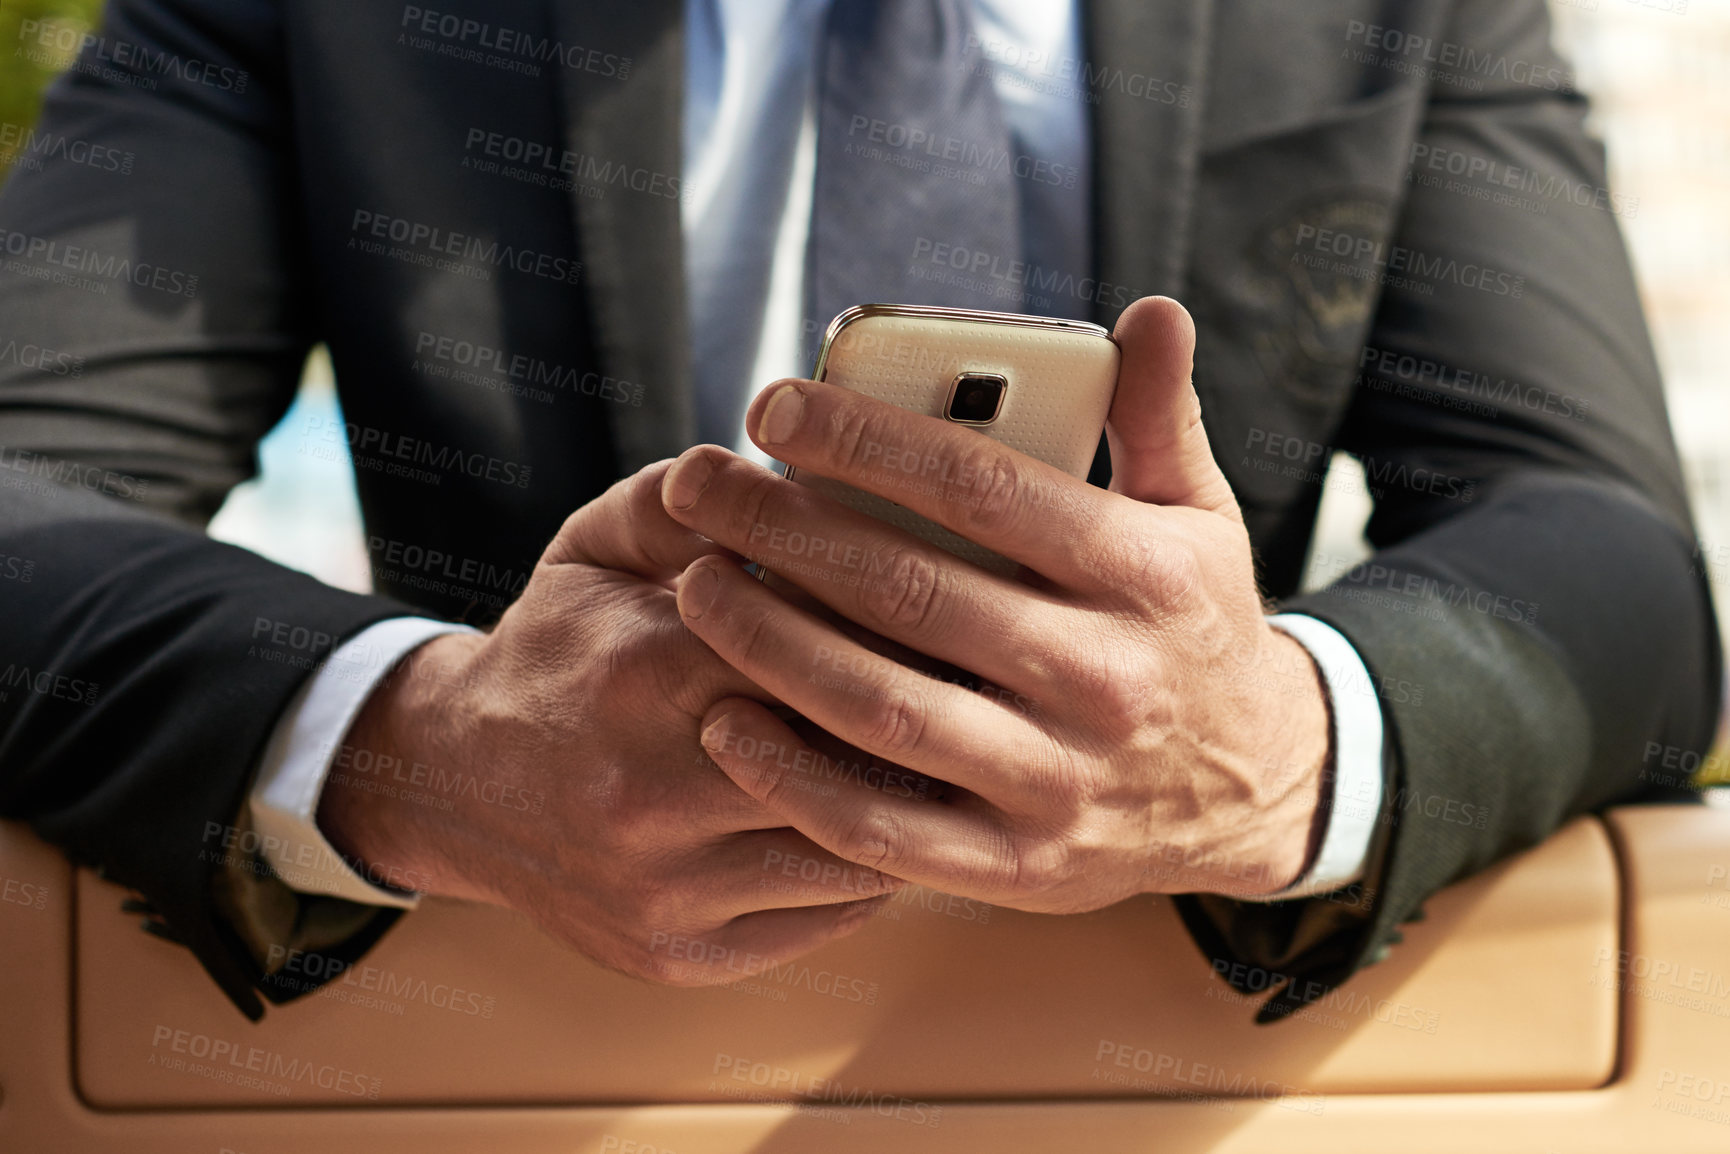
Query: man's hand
point(1140, 727)
point(592, 809)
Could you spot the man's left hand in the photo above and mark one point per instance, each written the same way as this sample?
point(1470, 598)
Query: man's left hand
point(1139, 726)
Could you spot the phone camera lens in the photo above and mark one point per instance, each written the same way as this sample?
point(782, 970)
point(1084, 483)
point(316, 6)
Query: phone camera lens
point(976, 398)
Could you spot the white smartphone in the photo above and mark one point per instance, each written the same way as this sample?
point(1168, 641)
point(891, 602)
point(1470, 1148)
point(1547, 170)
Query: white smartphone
point(1040, 386)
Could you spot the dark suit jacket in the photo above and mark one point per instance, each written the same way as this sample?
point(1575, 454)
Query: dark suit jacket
point(1532, 622)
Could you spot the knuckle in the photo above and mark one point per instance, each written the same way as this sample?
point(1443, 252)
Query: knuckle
point(897, 727)
point(1118, 555)
point(856, 436)
point(756, 504)
point(633, 823)
point(1113, 692)
point(659, 659)
point(1157, 573)
point(754, 636)
point(1038, 867)
point(1177, 572)
point(992, 497)
point(1119, 702)
point(773, 783)
point(1087, 789)
point(655, 906)
point(875, 839)
point(905, 596)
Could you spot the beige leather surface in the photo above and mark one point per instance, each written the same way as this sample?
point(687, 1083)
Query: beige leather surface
point(1514, 959)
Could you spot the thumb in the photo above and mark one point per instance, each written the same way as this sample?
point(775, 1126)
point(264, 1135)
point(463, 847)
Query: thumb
point(1159, 449)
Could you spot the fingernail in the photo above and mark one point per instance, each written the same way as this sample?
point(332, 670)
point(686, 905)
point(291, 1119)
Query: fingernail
point(714, 738)
point(781, 416)
point(698, 590)
point(686, 481)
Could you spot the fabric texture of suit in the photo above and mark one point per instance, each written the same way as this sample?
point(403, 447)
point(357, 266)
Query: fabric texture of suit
point(330, 191)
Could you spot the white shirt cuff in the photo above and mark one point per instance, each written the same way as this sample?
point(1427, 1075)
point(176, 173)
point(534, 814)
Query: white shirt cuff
point(291, 776)
point(1356, 802)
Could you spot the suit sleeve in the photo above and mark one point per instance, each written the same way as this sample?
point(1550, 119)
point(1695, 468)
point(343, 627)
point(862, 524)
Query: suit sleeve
point(1533, 619)
point(153, 330)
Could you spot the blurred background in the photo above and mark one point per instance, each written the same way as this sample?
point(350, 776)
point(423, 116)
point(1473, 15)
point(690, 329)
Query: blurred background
point(1658, 72)
point(301, 510)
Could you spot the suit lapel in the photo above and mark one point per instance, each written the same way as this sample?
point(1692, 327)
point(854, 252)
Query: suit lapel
point(1148, 66)
point(622, 90)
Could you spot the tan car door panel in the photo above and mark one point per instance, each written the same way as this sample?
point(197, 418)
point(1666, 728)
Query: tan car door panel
point(943, 998)
point(943, 1025)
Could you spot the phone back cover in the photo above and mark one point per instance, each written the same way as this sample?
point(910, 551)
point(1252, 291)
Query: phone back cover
point(1060, 388)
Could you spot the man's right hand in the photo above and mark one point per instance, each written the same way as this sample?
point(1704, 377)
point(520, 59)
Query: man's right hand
point(589, 693)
